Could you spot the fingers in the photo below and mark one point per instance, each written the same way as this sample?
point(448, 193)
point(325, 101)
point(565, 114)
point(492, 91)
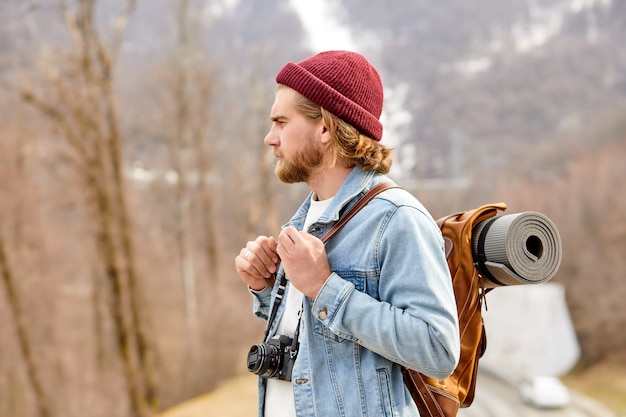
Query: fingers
point(304, 260)
point(258, 261)
point(287, 240)
point(261, 254)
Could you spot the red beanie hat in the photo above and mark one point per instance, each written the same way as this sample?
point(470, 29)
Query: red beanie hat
point(342, 82)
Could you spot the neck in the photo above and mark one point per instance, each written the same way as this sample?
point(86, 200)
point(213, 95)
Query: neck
point(328, 181)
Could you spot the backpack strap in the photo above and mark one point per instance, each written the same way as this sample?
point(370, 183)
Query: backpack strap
point(373, 192)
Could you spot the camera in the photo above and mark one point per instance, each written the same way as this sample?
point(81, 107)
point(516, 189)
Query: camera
point(273, 359)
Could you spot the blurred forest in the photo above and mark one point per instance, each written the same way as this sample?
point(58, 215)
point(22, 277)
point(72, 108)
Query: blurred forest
point(132, 170)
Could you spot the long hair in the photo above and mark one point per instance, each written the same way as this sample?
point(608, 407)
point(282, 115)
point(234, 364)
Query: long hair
point(347, 144)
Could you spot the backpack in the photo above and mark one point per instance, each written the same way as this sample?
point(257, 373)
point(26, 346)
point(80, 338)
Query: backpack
point(442, 398)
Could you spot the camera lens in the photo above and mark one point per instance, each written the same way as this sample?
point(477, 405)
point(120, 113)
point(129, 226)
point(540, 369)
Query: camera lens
point(264, 360)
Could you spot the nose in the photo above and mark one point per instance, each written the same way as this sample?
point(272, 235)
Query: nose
point(271, 139)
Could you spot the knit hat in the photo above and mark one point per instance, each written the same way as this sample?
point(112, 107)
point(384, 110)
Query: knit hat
point(342, 82)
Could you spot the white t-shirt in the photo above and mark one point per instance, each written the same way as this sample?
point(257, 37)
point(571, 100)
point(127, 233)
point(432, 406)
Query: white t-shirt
point(279, 401)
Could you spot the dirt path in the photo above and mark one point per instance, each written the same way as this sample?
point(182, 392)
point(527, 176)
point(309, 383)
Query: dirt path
point(236, 398)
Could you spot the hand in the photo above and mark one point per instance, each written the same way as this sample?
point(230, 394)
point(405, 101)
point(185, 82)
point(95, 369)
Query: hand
point(304, 259)
point(257, 262)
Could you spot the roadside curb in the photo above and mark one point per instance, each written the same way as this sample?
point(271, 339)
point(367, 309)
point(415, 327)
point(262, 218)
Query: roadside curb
point(591, 407)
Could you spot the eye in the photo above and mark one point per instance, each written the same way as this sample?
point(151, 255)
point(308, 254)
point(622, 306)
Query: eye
point(278, 122)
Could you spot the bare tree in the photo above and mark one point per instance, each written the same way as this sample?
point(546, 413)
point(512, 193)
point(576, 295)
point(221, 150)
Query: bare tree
point(79, 100)
point(8, 280)
point(180, 154)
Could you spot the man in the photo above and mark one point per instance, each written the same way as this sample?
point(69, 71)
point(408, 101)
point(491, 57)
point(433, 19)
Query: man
point(378, 295)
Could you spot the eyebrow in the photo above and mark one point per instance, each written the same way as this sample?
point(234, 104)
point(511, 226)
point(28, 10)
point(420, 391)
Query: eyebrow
point(277, 118)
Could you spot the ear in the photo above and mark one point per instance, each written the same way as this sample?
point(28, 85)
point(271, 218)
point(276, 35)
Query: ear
point(325, 133)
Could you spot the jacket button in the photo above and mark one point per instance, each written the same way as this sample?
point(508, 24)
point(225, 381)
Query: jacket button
point(301, 381)
point(322, 314)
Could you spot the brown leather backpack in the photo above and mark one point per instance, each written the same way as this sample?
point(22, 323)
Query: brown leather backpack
point(442, 398)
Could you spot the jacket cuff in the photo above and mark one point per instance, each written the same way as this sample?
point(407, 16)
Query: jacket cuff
point(261, 301)
point(331, 298)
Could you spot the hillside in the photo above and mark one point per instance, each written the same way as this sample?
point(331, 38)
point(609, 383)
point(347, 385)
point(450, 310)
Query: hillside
point(133, 169)
point(505, 75)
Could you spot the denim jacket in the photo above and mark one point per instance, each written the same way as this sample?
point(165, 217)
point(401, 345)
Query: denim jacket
point(388, 303)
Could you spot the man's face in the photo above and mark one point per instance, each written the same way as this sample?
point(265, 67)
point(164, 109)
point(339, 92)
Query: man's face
point(295, 139)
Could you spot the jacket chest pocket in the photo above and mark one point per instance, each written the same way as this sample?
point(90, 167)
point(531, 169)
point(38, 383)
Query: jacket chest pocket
point(359, 280)
point(362, 282)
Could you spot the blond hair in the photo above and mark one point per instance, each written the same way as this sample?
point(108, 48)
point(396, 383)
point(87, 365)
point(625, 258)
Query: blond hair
point(347, 144)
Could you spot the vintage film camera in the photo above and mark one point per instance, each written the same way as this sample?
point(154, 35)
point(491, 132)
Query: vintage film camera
point(273, 359)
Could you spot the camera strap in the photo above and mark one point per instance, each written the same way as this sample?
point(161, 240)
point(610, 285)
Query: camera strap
point(295, 345)
point(282, 285)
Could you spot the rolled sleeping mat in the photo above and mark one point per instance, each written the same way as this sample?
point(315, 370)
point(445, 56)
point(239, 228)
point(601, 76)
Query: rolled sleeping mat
point(516, 249)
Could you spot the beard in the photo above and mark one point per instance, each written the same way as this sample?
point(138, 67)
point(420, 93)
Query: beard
point(302, 165)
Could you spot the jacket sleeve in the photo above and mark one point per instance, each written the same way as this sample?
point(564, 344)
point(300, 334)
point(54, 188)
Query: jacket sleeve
point(414, 323)
point(261, 302)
